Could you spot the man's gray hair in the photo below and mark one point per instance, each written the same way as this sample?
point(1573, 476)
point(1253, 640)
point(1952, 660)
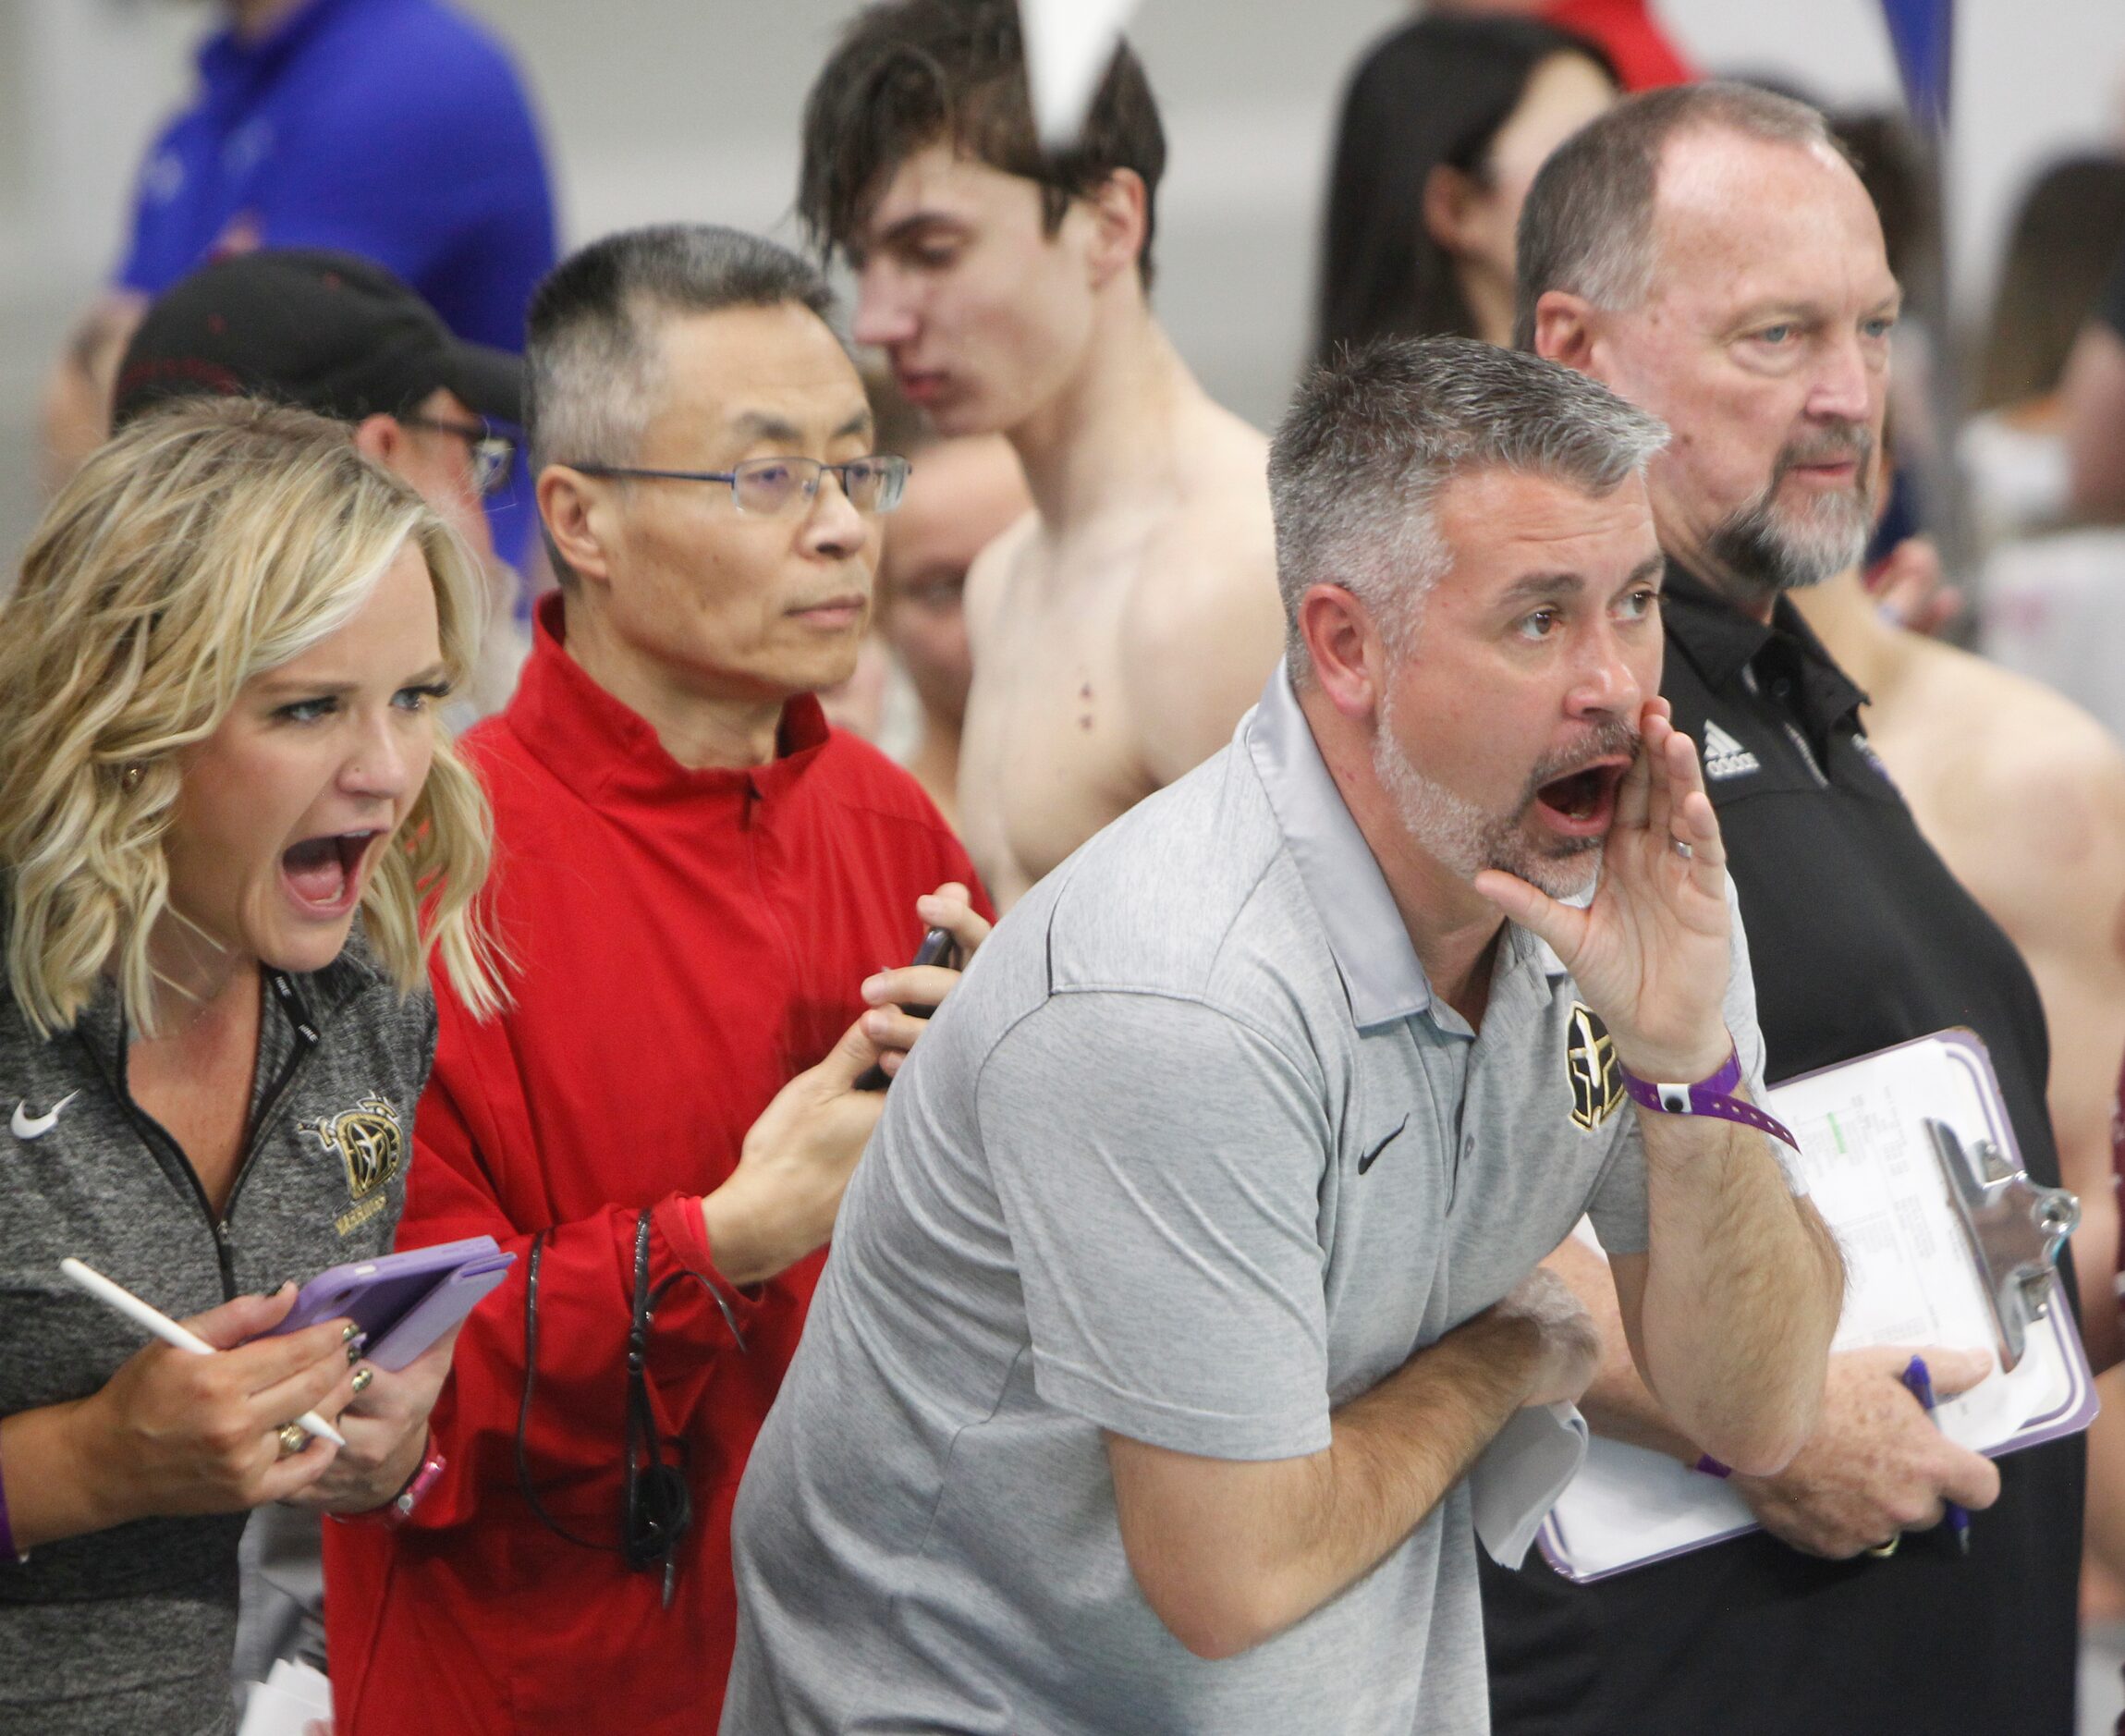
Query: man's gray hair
point(1587, 224)
point(592, 349)
point(1372, 438)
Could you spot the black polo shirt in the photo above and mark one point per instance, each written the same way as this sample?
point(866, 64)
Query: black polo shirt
point(1860, 938)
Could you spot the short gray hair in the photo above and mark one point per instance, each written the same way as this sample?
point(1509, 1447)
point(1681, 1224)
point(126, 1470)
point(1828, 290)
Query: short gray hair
point(1587, 224)
point(1374, 438)
point(590, 351)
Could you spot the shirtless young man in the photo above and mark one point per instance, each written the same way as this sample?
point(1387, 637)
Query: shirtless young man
point(1124, 624)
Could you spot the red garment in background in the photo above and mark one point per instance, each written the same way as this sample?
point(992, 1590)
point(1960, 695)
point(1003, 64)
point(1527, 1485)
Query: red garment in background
point(687, 941)
point(1644, 55)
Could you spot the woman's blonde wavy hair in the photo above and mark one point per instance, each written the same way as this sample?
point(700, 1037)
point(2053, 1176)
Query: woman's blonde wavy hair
point(205, 544)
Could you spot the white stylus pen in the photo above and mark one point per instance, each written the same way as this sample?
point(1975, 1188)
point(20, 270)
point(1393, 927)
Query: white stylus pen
point(117, 1297)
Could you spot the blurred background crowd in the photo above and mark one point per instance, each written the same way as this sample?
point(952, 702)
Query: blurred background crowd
point(690, 113)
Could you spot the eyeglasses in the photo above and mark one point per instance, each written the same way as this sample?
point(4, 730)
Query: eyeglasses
point(766, 487)
point(492, 453)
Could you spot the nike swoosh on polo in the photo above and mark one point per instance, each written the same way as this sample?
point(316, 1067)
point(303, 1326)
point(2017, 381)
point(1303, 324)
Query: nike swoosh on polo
point(1365, 1162)
point(24, 1124)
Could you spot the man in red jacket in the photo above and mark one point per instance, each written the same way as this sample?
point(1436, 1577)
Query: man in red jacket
point(702, 886)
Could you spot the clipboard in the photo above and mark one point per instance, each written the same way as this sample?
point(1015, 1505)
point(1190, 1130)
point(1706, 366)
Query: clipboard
point(1918, 1272)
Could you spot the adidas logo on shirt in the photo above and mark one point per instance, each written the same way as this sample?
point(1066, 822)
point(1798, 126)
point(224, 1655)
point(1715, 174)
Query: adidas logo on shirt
point(1725, 757)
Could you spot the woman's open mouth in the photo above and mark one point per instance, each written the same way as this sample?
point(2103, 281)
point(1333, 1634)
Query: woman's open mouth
point(323, 874)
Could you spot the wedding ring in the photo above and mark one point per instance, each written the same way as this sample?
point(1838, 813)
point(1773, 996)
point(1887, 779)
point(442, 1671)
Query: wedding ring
point(1681, 848)
point(292, 1438)
point(362, 1377)
point(1881, 1551)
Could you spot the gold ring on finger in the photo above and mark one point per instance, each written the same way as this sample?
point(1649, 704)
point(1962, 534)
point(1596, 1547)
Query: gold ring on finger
point(362, 1377)
point(1881, 1551)
point(292, 1438)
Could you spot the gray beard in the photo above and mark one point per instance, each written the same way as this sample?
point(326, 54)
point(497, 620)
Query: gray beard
point(1464, 839)
point(1770, 549)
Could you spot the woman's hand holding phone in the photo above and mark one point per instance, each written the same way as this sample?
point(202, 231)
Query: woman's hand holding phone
point(386, 1426)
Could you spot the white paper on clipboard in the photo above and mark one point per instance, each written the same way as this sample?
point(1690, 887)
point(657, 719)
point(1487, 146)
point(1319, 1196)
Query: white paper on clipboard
point(1910, 1280)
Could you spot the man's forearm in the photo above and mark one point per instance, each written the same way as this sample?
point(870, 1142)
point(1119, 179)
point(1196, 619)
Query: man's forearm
point(1232, 1553)
point(1743, 1285)
point(1617, 1403)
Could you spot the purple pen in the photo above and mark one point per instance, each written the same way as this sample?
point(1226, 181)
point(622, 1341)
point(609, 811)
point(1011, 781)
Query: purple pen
point(1919, 1384)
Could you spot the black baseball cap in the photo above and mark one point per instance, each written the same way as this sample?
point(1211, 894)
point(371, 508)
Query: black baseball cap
point(330, 332)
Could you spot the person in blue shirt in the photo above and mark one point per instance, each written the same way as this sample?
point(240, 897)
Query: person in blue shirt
point(398, 129)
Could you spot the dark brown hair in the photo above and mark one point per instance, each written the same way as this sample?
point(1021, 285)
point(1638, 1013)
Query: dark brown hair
point(2065, 240)
point(908, 73)
point(1434, 93)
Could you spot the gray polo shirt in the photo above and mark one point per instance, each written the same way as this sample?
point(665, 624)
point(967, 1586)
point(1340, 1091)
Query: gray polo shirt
point(1193, 1156)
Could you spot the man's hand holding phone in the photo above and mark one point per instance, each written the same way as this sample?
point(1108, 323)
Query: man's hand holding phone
point(902, 1000)
point(780, 1202)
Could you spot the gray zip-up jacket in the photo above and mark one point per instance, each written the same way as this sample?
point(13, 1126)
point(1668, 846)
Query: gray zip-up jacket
point(131, 1628)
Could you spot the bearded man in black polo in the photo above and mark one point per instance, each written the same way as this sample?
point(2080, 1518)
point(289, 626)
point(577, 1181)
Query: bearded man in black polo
point(1708, 252)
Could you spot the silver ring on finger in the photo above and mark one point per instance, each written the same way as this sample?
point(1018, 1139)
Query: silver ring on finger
point(1681, 848)
point(292, 1438)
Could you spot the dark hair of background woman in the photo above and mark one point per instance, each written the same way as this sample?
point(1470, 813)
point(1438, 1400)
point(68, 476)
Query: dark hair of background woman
point(1435, 91)
point(2065, 240)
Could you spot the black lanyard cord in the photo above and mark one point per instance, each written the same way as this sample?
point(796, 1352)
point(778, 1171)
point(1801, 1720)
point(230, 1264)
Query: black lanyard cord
point(524, 1487)
point(656, 1504)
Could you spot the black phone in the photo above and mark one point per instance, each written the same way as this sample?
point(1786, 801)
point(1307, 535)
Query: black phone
point(937, 947)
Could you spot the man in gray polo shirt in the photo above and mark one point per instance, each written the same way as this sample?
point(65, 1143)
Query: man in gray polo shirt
point(1193, 1265)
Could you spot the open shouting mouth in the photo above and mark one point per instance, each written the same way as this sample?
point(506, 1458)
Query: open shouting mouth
point(1582, 803)
point(323, 874)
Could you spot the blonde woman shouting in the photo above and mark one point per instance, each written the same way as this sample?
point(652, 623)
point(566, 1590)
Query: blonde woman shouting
point(232, 832)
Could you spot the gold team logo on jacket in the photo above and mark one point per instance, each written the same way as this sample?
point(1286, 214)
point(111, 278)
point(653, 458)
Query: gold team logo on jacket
point(1590, 1063)
point(368, 1140)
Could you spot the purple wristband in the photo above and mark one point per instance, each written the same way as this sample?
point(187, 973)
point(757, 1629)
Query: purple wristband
point(1707, 1096)
point(8, 1552)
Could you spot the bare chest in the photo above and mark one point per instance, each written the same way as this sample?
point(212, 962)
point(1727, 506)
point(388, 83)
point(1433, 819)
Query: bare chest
point(197, 1086)
point(1051, 751)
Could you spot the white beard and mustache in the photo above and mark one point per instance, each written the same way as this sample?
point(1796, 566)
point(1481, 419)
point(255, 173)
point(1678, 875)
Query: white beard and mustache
point(1774, 548)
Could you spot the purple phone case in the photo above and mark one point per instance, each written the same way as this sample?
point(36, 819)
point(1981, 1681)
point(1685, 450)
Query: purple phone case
point(437, 1312)
point(386, 1296)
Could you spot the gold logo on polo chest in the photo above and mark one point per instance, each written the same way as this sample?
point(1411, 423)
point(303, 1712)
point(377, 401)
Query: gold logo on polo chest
point(1590, 1063)
point(367, 1140)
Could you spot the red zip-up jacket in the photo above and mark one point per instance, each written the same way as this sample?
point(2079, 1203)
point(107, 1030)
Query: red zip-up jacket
point(687, 941)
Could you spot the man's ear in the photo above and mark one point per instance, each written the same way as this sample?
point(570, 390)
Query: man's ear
point(381, 438)
point(1348, 657)
point(1564, 330)
point(1120, 215)
point(577, 515)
